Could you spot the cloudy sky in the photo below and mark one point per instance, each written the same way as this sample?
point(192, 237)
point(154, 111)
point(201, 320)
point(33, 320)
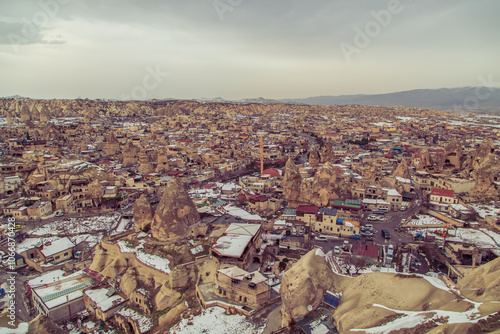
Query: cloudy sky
point(244, 48)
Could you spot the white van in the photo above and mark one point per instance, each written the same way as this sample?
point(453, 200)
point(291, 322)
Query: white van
point(321, 238)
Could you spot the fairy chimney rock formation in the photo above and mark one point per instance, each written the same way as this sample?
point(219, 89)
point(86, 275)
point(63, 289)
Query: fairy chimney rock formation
point(44, 114)
point(452, 156)
point(129, 155)
point(143, 214)
point(162, 164)
point(402, 170)
point(313, 158)
point(112, 146)
point(145, 165)
point(176, 212)
point(327, 154)
point(24, 113)
point(303, 286)
point(291, 181)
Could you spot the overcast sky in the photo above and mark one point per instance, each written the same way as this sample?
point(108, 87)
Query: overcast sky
point(244, 48)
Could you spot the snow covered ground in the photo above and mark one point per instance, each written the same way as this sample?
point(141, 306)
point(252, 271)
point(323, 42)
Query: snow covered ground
point(476, 237)
point(22, 328)
point(151, 260)
point(425, 220)
point(121, 226)
point(483, 210)
point(29, 243)
point(214, 320)
point(77, 225)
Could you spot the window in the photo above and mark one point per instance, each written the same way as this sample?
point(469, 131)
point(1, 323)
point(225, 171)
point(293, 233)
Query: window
point(57, 257)
point(66, 254)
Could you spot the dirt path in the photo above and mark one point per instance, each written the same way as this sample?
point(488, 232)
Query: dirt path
point(273, 320)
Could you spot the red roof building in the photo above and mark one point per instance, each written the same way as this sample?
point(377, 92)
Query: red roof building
point(310, 209)
point(442, 192)
point(273, 172)
point(366, 250)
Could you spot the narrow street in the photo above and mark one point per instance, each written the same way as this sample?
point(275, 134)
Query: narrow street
point(20, 295)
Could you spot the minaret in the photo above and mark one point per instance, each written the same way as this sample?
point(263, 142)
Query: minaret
point(261, 155)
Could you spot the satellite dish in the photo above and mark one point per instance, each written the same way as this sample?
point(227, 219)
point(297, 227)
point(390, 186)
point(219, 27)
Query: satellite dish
point(309, 308)
point(216, 286)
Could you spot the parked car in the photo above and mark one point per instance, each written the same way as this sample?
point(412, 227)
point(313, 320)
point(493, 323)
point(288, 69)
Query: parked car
point(321, 238)
point(385, 233)
point(367, 233)
point(403, 208)
point(337, 250)
point(346, 247)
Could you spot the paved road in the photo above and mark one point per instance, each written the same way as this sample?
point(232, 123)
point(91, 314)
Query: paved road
point(392, 223)
point(21, 311)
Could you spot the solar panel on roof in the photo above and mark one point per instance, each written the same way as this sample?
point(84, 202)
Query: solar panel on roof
point(331, 300)
point(67, 291)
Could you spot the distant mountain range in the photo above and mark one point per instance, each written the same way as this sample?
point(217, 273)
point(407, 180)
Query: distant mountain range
point(463, 99)
point(472, 99)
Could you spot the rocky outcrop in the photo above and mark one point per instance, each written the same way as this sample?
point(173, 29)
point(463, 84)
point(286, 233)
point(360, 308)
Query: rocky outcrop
point(291, 181)
point(481, 284)
point(452, 156)
point(44, 114)
point(24, 113)
point(323, 187)
point(327, 154)
point(162, 164)
point(129, 155)
point(143, 214)
point(111, 146)
point(426, 162)
point(483, 166)
point(402, 170)
point(313, 159)
point(111, 262)
point(176, 212)
point(303, 286)
point(326, 185)
point(145, 164)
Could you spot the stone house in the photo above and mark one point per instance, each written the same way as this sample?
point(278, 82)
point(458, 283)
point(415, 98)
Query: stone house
point(440, 199)
point(103, 303)
point(242, 287)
